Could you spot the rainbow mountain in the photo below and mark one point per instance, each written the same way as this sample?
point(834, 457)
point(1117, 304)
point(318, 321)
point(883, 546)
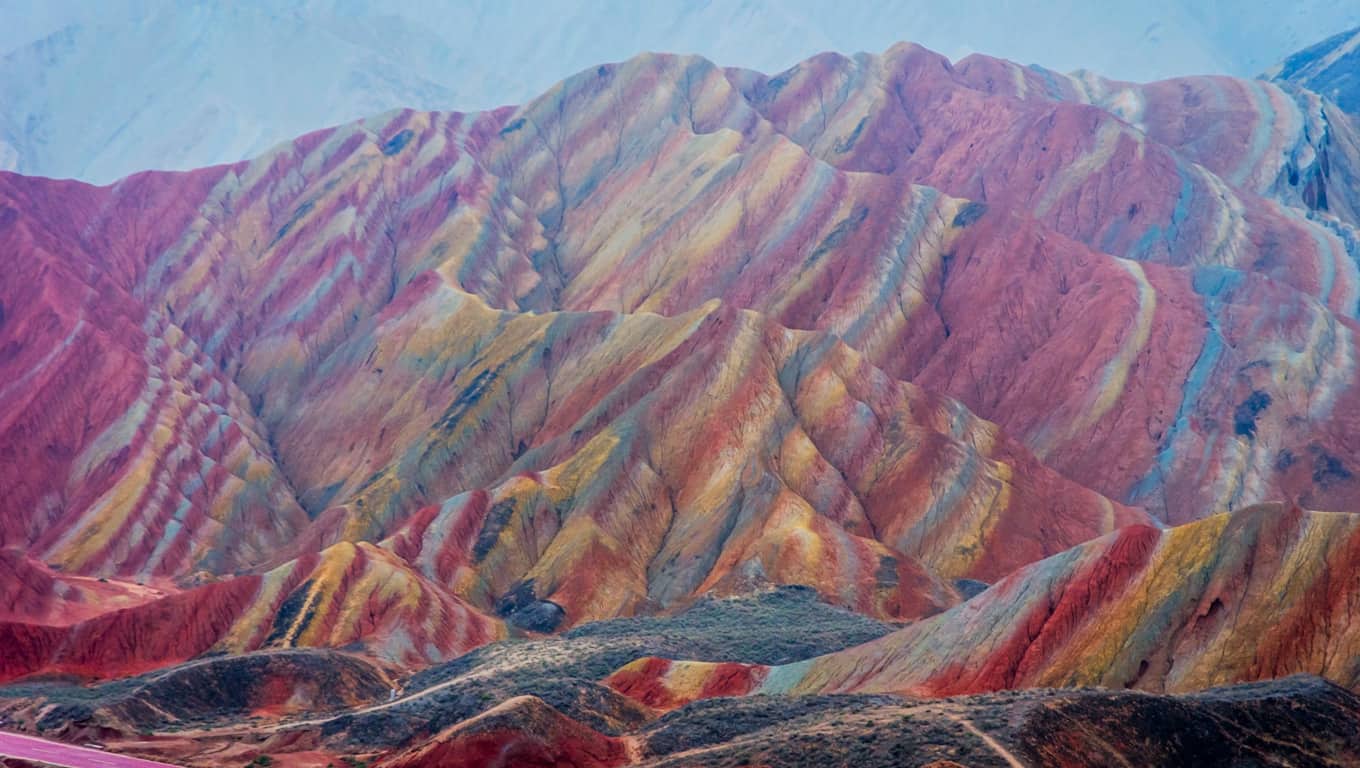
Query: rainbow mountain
point(1036, 372)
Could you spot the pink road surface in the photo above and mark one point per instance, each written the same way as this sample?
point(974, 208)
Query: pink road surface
point(56, 753)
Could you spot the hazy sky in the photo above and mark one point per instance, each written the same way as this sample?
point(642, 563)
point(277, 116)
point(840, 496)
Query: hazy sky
point(1136, 39)
point(96, 89)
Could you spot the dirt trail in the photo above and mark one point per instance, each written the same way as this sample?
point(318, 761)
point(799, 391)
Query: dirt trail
point(1005, 754)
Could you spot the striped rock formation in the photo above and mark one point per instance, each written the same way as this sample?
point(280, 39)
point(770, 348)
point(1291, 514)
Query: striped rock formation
point(31, 592)
point(348, 595)
point(872, 324)
point(1263, 593)
point(125, 450)
point(795, 462)
point(1274, 140)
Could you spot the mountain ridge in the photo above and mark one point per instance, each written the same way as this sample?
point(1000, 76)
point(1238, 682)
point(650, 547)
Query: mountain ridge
point(183, 107)
point(962, 347)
